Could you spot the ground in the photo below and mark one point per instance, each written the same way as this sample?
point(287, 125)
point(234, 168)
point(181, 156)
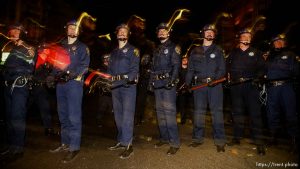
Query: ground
point(95, 155)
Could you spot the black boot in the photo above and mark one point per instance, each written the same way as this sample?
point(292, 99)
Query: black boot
point(220, 148)
point(49, 132)
point(234, 141)
point(261, 150)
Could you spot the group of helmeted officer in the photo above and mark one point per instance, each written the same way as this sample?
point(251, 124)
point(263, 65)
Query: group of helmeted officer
point(22, 77)
point(245, 70)
point(250, 74)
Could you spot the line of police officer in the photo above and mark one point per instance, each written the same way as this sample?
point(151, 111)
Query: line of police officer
point(245, 65)
point(246, 71)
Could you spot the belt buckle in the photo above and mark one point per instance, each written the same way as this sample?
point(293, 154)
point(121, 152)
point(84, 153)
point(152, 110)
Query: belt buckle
point(114, 78)
point(278, 83)
point(160, 76)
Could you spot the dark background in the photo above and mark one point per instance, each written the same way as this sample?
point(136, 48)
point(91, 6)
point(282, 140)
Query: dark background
point(109, 13)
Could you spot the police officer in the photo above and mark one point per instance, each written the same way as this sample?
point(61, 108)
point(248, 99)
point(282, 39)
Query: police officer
point(138, 39)
point(124, 68)
point(105, 99)
point(282, 68)
point(69, 93)
point(164, 74)
point(39, 94)
point(18, 67)
point(206, 64)
point(184, 97)
point(245, 66)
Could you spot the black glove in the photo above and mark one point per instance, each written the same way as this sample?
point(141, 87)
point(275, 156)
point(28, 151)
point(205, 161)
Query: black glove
point(211, 84)
point(170, 84)
point(127, 82)
point(63, 76)
point(187, 88)
point(183, 89)
point(50, 81)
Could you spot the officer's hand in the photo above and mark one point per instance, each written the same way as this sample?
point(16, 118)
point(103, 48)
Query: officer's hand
point(169, 85)
point(187, 88)
point(211, 84)
point(127, 82)
point(50, 81)
point(67, 76)
point(183, 89)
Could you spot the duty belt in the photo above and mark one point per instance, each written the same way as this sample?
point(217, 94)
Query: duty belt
point(198, 81)
point(277, 83)
point(17, 82)
point(119, 77)
point(241, 80)
point(161, 76)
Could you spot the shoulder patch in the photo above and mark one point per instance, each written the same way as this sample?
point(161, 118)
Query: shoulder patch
point(178, 49)
point(298, 58)
point(136, 52)
point(87, 51)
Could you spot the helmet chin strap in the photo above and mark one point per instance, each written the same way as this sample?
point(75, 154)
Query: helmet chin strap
point(209, 39)
point(279, 49)
point(122, 39)
point(245, 43)
point(72, 36)
point(162, 38)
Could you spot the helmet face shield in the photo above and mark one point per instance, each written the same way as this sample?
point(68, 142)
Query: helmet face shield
point(279, 41)
point(71, 27)
point(162, 31)
point(16, 31)
point(71, 22)
point(245, 36)
point(278, 37)
point(122, 32)
point(245, 31)
point(162, 26)
point(210, 27)
point(125, 26)
point(209, 32)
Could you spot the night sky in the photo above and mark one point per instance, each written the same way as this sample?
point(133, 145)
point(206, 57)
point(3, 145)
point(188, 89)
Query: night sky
point(110, 13)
